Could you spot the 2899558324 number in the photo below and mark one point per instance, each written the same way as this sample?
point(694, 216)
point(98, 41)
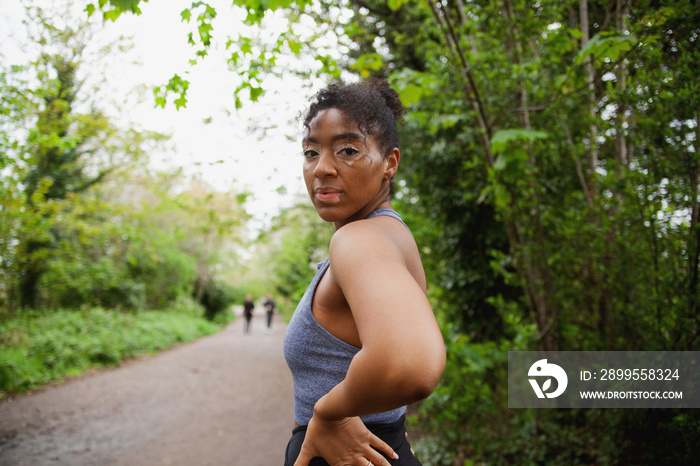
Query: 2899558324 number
point(639, 374)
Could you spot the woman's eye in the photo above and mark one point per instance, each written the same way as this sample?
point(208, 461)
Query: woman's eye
point(349, 152)
point(310, 153)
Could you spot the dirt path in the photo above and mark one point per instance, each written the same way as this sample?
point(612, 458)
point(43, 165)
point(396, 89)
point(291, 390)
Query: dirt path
point(225, 399)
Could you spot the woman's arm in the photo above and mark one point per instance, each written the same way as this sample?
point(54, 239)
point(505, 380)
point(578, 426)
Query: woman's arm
point(402, 354)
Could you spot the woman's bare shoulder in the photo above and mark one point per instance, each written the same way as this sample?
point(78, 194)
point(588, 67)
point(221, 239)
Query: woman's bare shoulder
point(364, 239)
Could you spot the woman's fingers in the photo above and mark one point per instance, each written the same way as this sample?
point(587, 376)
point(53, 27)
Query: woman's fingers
point(304, 458)
point(382, 446)
point(409, 444)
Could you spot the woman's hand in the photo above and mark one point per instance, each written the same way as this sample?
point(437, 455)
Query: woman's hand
point(343, 442)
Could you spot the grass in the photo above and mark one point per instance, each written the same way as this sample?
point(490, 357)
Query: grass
point(41, 347)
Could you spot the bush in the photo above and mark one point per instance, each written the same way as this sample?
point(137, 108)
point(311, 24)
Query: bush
point(216, 297)
point(38, 347)
point(169, 276)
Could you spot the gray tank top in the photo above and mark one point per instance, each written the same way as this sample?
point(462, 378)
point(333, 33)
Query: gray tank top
point(318, 359)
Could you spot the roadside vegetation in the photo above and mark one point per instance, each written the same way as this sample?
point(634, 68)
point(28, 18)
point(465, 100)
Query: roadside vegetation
point(39, 347)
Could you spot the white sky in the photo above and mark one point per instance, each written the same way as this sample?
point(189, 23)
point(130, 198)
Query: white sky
point(224, 151)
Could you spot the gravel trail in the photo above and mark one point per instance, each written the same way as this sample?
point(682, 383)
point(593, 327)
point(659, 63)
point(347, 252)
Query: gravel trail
point(225, 399)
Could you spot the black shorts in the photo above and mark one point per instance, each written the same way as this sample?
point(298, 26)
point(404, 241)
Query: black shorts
point(393, 434)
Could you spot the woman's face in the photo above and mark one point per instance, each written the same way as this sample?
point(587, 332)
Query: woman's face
point(345, 172)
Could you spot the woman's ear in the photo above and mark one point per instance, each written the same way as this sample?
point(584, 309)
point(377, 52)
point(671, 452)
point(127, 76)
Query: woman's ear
point(391, 162)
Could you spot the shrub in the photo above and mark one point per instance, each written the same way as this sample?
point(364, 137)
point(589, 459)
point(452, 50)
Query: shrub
point(216, 297)
point(38, 347)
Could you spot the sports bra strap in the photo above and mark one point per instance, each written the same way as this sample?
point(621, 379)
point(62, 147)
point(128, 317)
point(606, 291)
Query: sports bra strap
point(388, 213)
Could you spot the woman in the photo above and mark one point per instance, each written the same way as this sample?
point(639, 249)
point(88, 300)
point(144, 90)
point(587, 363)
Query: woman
point(363, 342)
point(248, 309)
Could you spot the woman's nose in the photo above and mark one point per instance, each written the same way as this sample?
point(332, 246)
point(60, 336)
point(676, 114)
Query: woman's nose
point(325, 165)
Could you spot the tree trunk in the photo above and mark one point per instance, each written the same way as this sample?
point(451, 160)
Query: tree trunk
point(31, 272)
point(621, 75)
point(592, 112)
point(694, 241)
point(539, 278)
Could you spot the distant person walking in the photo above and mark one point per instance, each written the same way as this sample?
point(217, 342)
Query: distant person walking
point(248, 308)
point(270, 308)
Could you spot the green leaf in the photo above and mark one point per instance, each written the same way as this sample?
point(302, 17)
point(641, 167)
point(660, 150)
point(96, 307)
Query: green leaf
point(394, 4)
point(233, 59)
point(246, 45)
point(255, 93)
point(410, 94)
point(295, 46)
point(111, 15)
point(127, 5)
point(413, 85)
point(504, 137)
point(186, 14)
point(500, 163)
point(501, 196)
point(575, 33)
point(180, 101)
point(367, 63)
point(606, 47)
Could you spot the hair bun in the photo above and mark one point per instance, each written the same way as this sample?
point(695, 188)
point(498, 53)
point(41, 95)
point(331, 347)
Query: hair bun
point(391, 97)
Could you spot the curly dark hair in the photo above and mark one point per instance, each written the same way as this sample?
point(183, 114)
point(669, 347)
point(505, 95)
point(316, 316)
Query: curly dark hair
point(372, 104)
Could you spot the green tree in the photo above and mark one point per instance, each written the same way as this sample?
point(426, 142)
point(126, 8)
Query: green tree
point(13, 109)
point(70, 147)
point(84, 222)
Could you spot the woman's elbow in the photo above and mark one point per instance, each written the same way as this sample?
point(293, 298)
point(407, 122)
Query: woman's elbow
point(424, 374)
point(431, 376)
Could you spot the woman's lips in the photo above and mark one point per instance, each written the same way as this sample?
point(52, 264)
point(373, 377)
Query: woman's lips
point(326, 194)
